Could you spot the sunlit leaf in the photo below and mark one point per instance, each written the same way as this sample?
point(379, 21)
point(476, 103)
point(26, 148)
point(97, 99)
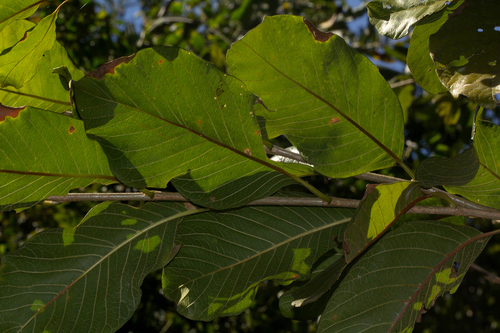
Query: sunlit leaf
point(379, 209)
point(401, 276)
point(393, 18)
point(166, 114)
point(88, 278)
point(225, 256)
point(14, 32)
point(19, 64)
point(331, 102)
point(465, 49)
point(44, 153)
point(45, 90)
point(11, 10)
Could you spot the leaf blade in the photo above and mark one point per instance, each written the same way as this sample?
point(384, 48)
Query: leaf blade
point(393, 18)
point(399, 275)
point(201, 119)
point(226, 255)
point(30, 167)
point(477, 75)
point(304, 80)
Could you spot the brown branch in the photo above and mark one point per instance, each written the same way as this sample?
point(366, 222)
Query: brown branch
point(489, 276)
point(277, 201)
point(382, 179)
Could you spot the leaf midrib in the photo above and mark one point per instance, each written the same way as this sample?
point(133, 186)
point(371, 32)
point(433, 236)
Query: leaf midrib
point(115, 249)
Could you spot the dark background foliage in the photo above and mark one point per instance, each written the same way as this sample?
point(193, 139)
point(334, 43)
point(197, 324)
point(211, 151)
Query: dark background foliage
point(95, 32)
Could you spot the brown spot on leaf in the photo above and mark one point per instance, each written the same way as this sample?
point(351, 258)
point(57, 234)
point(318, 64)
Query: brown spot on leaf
point(334, 120)
point(212, 199)
point(258, 133)
point(7, 111)
point(248, 152)
point(199, 122)
point(159, 62)
point(320, 36)
point(109, 67)
point(71, 129)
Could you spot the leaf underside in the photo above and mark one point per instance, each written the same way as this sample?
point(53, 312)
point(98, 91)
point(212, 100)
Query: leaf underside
point(44, 153)
point(328, 100)
point(62, 277)
point(401, 276)
point(197, 126)
point(225, 256)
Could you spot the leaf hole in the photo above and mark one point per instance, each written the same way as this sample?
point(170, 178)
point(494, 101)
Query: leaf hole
point(497, 28)
point(480, 30)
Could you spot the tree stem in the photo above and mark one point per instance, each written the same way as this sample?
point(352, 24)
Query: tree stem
point(277, 201)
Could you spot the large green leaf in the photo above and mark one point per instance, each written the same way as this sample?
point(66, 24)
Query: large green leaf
point(44, 153)
point(45, 90)
point(330, 101)
point(166, 114)
point(401, 276)
point(379, 209)
point(393, 18)
point(419, 59)
point(225, 256)
point(19, 64)
point(485, 187)
point(88, 278)
point(466, 50)
point(14, 32)
point(11, 10)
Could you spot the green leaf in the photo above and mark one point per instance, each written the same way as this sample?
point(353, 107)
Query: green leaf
point(381, 206)
point(88, 278)
point(419, 59)
point(166, 114)
point(393, 18)
point(19, 64)
point(465, 49)
point(455, 171)
point(400, 277)
point(45, 90)
point(330, 101)
point(13, 33)
point(11, 10)
point(485, 187)
point(44, 153)
point(226, 255)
